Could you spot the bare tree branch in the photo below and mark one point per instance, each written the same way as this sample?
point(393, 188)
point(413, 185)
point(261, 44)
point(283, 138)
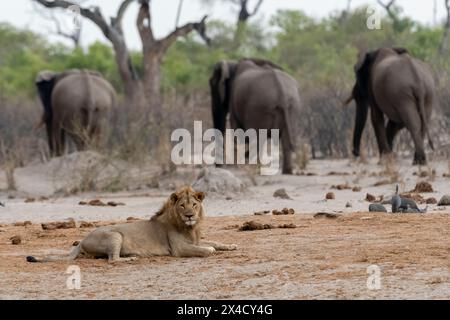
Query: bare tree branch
point(185, 30)
point(388, 8)
point(180, 7)
point(113, 32)
point(144, 24)
point(116, 21)
point(75, 33)
point(244, 13)
point(74, 36)
point(94, 14)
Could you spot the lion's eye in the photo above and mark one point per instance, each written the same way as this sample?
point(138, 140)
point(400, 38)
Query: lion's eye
point(194, 205)
point(182, 206)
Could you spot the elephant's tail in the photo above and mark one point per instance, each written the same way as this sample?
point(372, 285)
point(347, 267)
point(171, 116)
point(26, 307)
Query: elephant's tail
point(71, 256)
point(422, 113)
point(284, 105)
point(89, 102)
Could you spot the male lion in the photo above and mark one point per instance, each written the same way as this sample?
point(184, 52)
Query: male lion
point(173, 231)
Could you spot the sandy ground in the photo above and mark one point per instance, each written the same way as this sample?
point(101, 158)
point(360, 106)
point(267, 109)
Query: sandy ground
point(321, 258)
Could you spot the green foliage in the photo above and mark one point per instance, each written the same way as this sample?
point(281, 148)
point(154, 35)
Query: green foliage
point(318, 52)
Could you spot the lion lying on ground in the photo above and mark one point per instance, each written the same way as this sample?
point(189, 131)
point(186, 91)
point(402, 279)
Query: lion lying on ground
point(173, 231)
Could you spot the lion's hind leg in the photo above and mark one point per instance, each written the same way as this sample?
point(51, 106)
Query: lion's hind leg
point(105, 243)
point(220, 246)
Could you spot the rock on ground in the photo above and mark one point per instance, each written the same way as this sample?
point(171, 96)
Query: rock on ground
point(445, 201)
point(217, 180)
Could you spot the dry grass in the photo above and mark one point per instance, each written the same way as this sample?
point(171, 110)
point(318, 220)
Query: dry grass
point(302, 157)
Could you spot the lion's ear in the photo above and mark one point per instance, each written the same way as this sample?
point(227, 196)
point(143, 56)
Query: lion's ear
point(200, 196)
point(174, 197)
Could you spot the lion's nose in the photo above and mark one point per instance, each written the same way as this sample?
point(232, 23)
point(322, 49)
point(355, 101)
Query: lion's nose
point(189, 215)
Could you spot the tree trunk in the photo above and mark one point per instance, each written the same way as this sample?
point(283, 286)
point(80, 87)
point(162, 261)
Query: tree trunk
point(152, 84)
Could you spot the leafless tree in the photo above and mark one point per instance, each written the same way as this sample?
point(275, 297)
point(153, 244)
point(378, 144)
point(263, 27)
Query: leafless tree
point(72, 34)
point(139, 92)
point(345, 12)
point(180, 7)
point(444, 42)
point(388, 7)
point(244, 13)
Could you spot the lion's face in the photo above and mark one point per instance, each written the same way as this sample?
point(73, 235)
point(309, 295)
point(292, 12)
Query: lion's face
point(188, 206)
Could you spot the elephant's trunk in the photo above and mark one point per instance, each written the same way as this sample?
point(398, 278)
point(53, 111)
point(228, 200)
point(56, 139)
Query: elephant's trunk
point(362, 108)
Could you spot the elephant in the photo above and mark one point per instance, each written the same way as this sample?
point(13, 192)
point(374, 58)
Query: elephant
point(257, 94)
point(396, 85)
point(77, 103)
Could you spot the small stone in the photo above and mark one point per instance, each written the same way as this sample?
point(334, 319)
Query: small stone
point(261, 213)
point(382, 183)
point(370, 198)
point(342, 187)
point(326, 215)
point(97, 203)
point(357, 189)
point(75, 243)
point(283, 212)
point(22, 224)
point(377, 208)
point(287, 226)
point(59, 225)
point(330, 196)
point(132, 219)
point(115, 204)
point(84, 224)
point(445, 201)
point(16, 240)
point(282, 194)
point(431, 201)
point(253, 225)
point(423, 187)
point(29, 200)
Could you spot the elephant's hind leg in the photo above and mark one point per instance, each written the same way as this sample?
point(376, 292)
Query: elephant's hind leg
point(377, 118)
point(287, 155)
point(413, 123)
point(392, 129)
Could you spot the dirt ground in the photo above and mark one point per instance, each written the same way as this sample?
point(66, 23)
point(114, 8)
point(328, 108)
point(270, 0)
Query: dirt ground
point(319, 259)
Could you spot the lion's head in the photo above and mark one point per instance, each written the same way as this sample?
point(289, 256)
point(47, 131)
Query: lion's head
point(184, 208)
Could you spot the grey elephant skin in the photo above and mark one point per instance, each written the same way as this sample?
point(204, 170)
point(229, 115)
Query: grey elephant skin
point(396, 86)
point(77, 103)
point(258, 95)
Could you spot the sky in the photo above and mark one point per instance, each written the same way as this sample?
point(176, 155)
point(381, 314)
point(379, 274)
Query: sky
point(25, 14)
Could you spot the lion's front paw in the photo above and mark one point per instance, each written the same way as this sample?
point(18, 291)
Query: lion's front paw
point(232, 247)
point(210, 250)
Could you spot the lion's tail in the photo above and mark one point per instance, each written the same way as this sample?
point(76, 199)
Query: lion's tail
point(71, 256)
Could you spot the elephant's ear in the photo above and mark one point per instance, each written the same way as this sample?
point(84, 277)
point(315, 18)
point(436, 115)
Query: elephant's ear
point(224, 76)
point(362, 71)
point(45, 76)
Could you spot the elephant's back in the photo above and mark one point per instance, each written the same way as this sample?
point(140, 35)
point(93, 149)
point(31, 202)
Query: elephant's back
point(265, 84)
point(397, 73)
point(79, 88)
